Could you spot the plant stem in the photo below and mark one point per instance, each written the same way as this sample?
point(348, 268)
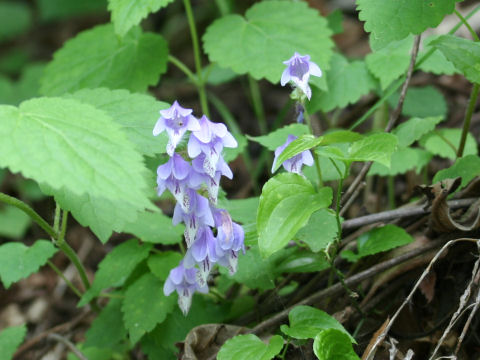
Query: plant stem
point(468, 117)
point(68, 282)
point(72, 256)
point(56, 220)
point(315, 155)
point(257, 105)
point(198, 62)
point(467, 25)
point(184, 68)
point(10, 200)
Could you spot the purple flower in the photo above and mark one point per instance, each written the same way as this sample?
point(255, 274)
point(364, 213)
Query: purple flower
point(230, 240)
point(199, 214)
point(184, 281)
point(299, 68)
point(202, 252)
point(210, 140)
point(213, 183)
point(174, 176)
point(176, 121)
point(294, 164)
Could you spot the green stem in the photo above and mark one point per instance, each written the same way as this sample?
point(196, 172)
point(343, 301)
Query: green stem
point(63, 228)
point(10, 200)
point(391, 192)
point(184, 68)
point(72, 256)
point(68, 282)
point(257, 105)
point(198, 62)
point(467, 25)
point(56, 220)
point(315, 155)
point(468, 117)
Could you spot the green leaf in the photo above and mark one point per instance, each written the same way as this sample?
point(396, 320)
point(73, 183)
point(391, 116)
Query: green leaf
point(320, 231)
point(10, 340)
point(329, 172)
point(403, 160)
point(421, 102)
point(394, 20)
point(61, 9)
point(94, 353)
point(247, 347)
point(107, 329)
point(13, 222)
point(115, 268)
point(154, 227)
point(230, 154)
point(436, 63)
point(286, 203)
point(64, 143)
point(377, 147)
point(347, 82)
point(145, 306)
point(269, 34)
point(128, 13)
point(217, 75)
point(161, 264)
point(335, 21)
point(98, 57)
point(301, 261)
point(241, 210)
point(135, 113)
point(15, 19)
point(278, 137)
point(306, 322)
point(332, 344)
point(463, 53)
point(443, 141)
point(340, 136)
point(297, 146)
point(389, 63)
point(413, 129)
point(18, 261)
point(467, 167)
point(378, 240)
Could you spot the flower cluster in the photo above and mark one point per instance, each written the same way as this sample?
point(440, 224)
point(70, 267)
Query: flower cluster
point(187, 181)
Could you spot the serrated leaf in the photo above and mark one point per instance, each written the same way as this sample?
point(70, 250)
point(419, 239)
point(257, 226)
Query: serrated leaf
point(306, 322)
point(161, 264)
point(340, 137)
point(269, 34)
point(15, 17)
point(287, 199)
point(421, 102)
point(246, 347)
point(413, 129)
point(467, 167)
point(18, 261)
point(241, 210)
point(332, 344)
point(297, 146)
point(377, 147)
point(389, 63)
point(463, 53)
point(13, 222)
point(145, 306)
point(394, 20)
point(107, 329)
point(10, 340)
point(278, 137)
point(128, 13)
point(378, 240)
point(115, 268)
point(64, 143)
point(403, 160)
point(320, 230)
point(347, 82)
point(135, 113)
point(155, 228)
point(97, 57)
point(436, 63)
point(444, 142)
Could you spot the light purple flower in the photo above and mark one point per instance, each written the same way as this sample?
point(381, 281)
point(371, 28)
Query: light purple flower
point(199, 215)
point(210, 140)
point(184, 281)
point(202, 252)
point(230, 240)
point(199, 176)
point(174, 175)
point(294, 164)
point(176, 121)
point(299, 68)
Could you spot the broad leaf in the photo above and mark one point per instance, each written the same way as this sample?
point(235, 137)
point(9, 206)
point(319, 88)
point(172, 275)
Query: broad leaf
point(247, 347)
point(320, 231)
point(332, 344)
point(128, 13)
point(444, 143)
point(394, 20)
point(18, 261)
point(340, 136)
point(145, 306)
point(135, 113)
point(161, 264)
point(279, 136)
point(301, 261)
point(377, 147)
point(467, 167)
point(99, 58)
point(10, 340)
point(13, 222)
point(378, 240)
point(115, 268)
point(297, 146)
point(436, 63)
point(306, 322)
point(154, 227)
point(463, 53)
point(286, 203)
point(403, 160)
point(241, 210)
point(269, 34)
point(421, 102)
point(15, 17)
point(413, 129)
point(64, 143)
